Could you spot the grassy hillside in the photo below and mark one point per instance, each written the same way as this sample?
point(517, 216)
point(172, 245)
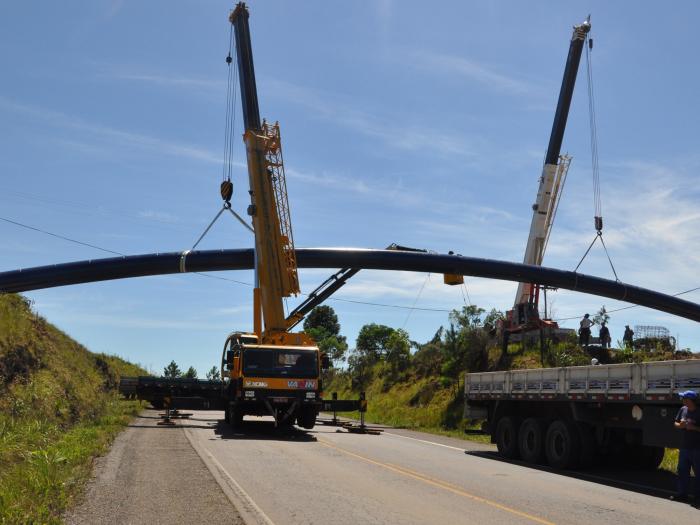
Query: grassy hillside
point(58, 409)
point(427, 404)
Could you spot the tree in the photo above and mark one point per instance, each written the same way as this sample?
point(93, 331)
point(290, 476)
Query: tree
point(191, 373)
point(468, 317)
point(397, 351)
point(213, 373)
point(172, 370)
point(372, 341)
point(601, 316)
point(323, 327)
point(323, 317)
point(492, 319)
point(335, 346)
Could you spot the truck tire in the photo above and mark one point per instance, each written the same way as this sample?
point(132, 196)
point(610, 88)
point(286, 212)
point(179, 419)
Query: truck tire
point(531, 440)
point(306, 418)
point(562, 445)
point(235, 416)
point(507, 437)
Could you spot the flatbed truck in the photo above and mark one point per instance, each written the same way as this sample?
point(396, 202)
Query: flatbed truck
point(571, 416)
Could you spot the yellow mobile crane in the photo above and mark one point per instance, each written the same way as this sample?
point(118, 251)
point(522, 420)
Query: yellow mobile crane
point(271, 370)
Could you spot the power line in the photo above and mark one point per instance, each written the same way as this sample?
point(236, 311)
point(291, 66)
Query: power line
point(61, 236)
point(629, 307)
point(353, 301)
point(209, 276)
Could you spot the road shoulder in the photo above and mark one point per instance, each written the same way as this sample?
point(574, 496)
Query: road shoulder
point(152, 474)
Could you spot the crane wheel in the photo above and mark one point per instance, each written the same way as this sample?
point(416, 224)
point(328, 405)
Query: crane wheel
point(306, 418)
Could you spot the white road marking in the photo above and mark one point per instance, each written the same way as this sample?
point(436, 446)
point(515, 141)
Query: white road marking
point(251, 513)
point(424, 441)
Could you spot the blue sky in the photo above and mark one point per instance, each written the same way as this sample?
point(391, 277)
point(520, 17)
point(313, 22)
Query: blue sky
point(400, 123)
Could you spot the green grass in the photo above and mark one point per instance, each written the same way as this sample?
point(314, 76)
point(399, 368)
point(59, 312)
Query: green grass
point(424, 404)
point(58, 410)
point(46, 466)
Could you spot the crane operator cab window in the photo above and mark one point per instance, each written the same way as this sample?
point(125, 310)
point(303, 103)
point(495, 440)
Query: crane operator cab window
point(273, 362)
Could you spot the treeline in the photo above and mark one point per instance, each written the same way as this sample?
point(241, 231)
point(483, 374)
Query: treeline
point(467, 342)
point(173, 371)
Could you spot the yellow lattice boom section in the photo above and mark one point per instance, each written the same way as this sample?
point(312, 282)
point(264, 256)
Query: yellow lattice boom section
point(275, 165)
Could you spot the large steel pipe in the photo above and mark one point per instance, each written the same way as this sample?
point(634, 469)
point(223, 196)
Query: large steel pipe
point(216, 260)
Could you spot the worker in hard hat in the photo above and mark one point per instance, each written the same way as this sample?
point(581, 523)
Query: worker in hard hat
point(688, 422)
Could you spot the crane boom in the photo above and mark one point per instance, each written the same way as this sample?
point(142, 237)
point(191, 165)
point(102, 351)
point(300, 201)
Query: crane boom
point(555, 166)
point(275, 260)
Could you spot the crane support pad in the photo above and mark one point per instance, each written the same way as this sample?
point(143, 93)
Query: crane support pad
point(217, 260)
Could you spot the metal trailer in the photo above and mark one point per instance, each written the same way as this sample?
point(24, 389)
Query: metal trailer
point(201, 394)
point(569, 417)
point(166, 392)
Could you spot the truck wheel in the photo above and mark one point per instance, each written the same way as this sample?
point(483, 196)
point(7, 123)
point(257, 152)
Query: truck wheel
point(531, 440)
point(562, 445)
point(235, 416)
point(507, 437)
point(306, 418)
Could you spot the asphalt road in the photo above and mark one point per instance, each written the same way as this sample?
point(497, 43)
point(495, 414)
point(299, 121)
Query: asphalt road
point(202, 471)
point(328, 475)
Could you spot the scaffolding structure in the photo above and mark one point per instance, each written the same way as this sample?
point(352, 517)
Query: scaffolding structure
point(651, 332)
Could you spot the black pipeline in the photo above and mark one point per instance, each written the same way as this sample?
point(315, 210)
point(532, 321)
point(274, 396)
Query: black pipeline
point(217, 260)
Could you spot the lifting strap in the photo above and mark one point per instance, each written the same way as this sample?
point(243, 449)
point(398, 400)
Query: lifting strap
point(597, 204)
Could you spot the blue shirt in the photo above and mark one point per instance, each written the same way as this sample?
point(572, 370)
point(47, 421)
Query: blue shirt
point(691, 438)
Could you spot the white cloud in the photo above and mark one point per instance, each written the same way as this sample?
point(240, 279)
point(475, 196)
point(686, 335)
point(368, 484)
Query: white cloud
point(160, 216)
point(394, 132)
point(115, 137)
point(452, 65)
point(168, 81)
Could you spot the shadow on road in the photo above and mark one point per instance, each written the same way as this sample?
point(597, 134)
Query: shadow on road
point(262, 430)
point(659, 483)
point(179, 423)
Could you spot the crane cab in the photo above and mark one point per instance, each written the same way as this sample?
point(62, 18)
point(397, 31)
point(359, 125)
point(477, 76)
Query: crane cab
point(282, 381)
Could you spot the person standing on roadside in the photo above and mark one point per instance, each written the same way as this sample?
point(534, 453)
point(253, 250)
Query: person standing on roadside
point(584, 331)
point(688, 421)
point(628, 337)
point(604, 336)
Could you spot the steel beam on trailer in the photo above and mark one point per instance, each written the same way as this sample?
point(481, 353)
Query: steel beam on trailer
point(217, 260)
